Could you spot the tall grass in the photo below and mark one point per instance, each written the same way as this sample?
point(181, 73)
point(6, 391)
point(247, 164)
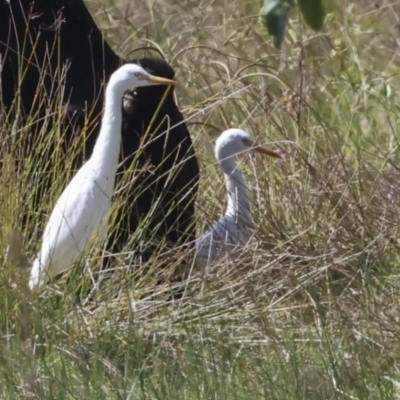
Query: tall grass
point(311, 309)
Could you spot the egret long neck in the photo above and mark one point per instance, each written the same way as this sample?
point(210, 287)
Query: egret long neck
point(106, 150)
point(238, 196)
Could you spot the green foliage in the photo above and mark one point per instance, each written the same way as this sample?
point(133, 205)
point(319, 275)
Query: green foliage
point(275, 15)
point(313, 12)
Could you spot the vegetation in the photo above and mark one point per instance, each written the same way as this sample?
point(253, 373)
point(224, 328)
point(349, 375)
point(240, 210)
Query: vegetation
point(311, 309)
point(275, 16)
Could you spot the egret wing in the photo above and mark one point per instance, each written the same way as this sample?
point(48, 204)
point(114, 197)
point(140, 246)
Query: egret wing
point(76, 216)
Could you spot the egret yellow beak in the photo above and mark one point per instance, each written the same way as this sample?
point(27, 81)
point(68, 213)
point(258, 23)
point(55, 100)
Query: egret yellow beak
point(157, 80)
point(261, 149)
point(267, 151)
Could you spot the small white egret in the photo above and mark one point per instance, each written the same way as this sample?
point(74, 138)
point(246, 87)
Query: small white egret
point(84, 205)
point(232, 230)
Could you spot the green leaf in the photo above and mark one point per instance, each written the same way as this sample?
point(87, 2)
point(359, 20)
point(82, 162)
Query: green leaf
point(314, 12)
point(275, 15)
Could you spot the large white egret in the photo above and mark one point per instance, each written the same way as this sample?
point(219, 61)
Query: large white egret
point(84, 205)
point(232, 231)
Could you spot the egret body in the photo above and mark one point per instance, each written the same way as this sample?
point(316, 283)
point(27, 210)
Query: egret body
point(232, 230)
point(83, 206)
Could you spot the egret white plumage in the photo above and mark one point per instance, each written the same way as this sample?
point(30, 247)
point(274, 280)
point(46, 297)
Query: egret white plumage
point(232, 230)
point(83, 206)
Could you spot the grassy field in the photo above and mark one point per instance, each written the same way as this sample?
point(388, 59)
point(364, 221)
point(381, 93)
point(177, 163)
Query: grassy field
point(312, 309)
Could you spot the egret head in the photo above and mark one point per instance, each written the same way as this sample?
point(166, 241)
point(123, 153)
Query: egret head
point(235, 141)
point(131, 76)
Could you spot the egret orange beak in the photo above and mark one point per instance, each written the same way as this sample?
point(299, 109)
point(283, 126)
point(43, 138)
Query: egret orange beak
point(158, 80)
point(261, 149)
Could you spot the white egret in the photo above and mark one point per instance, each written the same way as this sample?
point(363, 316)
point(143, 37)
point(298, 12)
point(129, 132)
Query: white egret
point(232, 230)
point(84, 205)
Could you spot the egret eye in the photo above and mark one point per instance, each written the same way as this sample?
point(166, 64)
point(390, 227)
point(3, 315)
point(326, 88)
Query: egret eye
point(248, 142)
point(140, 76)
